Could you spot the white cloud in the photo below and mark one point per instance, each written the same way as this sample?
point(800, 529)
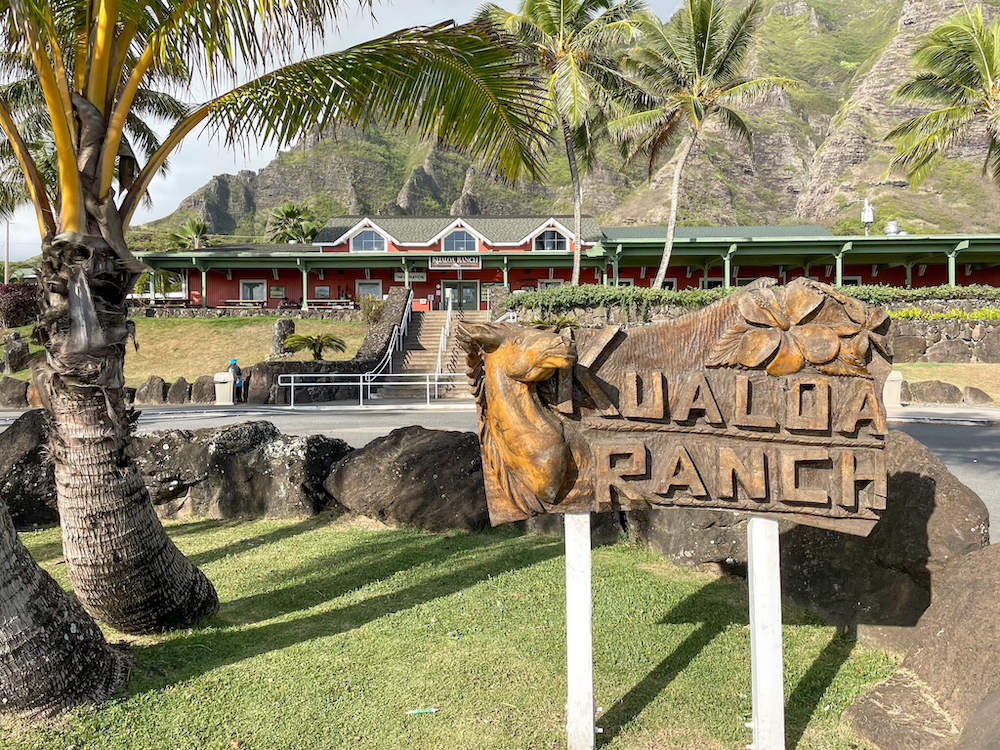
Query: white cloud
point(198, 159)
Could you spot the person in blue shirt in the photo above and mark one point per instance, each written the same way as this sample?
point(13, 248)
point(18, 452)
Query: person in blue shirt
point(237, 374)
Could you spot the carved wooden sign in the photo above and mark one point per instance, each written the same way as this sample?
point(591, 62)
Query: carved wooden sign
point(768, 402)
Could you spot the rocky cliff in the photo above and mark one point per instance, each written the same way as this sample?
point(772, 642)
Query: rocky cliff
point(819, 150)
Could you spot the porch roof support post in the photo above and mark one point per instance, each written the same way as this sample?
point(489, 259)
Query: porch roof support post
point(953, 262)
point(305, 288)
point(839, 257)
point(727, 265)
point(204, 287)
point(909, 275)
point(152, 286)
point(506, 269)
point(406, 273)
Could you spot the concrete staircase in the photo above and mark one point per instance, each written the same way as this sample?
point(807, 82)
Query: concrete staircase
point(420, 353)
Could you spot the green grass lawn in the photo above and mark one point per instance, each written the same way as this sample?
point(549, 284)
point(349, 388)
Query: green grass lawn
point(190, 347)
point(331, 631)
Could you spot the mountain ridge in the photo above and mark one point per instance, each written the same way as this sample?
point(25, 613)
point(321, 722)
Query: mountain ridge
point(819, 152)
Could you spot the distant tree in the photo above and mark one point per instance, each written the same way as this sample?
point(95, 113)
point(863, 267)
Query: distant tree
point(192, 235)
point(291, 222)
point(574, 46)
point(958, 66)
point(317, 343)
point(692, 72)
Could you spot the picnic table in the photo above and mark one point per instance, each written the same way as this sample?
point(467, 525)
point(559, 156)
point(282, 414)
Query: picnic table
point(260, 304)
point(334, 303)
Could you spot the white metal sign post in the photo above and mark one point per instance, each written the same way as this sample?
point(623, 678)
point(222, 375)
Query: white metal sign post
point(765, 634)
point(579, 634)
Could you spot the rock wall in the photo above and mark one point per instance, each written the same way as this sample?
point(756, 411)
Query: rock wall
point(350, 316)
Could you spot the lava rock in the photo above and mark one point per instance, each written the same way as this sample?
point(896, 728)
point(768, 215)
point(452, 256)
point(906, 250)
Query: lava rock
point(908, 348)
point(179, 392)
point(976, 396)
point(203, 390)
point(952, 668)
point(13, 393)
point(15, 353)
point(427, 479)
point(153, 392)
point(27, 484)
point(249, 469)
point(934, 392)
point(883, 582)
point(949, 350)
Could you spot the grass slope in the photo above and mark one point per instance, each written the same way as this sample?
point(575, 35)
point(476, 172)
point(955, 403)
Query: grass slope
point(331, 631)
point(190, 347)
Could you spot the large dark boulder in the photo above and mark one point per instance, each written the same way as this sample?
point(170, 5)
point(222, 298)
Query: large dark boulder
point(950, 350)
point(179, 392)
point(249, 469)
point(27, 484)
point(950, 678)
point(886, 579)
point(935, 392)
point(152, 393)
point(203, 390)
point(13, 393)
point(427, 479)
point(908, 348)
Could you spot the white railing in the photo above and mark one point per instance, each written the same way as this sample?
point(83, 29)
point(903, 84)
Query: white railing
point(507, 317)
point(445, 335)
point(363, 382)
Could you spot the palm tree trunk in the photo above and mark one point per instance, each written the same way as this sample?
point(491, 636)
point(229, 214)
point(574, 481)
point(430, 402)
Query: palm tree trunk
point(574, 173)
point(124, 568)
point(53, 657)
point(675, 194)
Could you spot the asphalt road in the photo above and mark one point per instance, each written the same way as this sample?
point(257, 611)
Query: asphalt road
point(971, 452)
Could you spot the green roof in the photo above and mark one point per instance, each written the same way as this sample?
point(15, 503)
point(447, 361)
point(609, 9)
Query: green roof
point(421, 229)
point(659, 233)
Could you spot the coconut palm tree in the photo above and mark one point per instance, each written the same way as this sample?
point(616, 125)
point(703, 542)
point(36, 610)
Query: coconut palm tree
point(959, 69)
point(317, 344)
point(191, 235)
point(573, 45)
point(291, 222)
point(53, 656)
point(692, 71)
point(456, 84)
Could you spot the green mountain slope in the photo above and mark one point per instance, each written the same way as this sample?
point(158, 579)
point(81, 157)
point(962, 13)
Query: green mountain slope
point(819, 150)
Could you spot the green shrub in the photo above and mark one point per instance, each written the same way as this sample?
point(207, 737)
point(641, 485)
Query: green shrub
point(915, 313)
point(638, 300)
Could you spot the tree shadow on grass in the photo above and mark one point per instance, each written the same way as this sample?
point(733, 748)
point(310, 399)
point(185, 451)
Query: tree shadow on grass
point(715, 607)
point(250, 543)
point(181, 659)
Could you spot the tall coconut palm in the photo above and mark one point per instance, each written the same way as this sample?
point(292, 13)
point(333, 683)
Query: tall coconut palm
point(573, 45)
point(457, 84)
point(52, 654)
point(291, 222)
point(958, 66)
point(191, 235)
point(693, 72)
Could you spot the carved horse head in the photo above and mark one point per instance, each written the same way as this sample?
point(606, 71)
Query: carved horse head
point(524, 451)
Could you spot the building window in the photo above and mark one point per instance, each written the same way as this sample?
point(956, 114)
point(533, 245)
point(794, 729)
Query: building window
point(548, 283)
point(460, 241)
point(369, 289)
point(852, 281)
point(717, 283)
point(368, 241)
point(550, 241)
point(321, 292)
point(277, 292)
point(252, 291)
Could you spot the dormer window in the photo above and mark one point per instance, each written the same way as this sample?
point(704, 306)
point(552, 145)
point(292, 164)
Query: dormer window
point(368, 241)
point(550, 241)
point(459, 241)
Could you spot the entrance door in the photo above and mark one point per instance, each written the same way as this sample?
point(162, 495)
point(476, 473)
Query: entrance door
point(465, 294)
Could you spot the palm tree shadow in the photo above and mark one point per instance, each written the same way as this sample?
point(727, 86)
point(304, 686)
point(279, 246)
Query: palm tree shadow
point(245, 545)
point(711, 607)
point(180, 659)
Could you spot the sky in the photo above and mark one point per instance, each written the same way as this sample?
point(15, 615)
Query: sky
point(199, 159)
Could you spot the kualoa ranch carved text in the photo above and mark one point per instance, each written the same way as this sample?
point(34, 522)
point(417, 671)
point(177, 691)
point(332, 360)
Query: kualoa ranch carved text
point(768, 402)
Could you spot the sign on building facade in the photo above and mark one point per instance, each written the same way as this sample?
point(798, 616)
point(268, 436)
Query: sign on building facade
point(768, 402)
point(455, 263)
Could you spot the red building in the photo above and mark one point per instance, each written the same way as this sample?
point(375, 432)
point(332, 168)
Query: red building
point(469, 258)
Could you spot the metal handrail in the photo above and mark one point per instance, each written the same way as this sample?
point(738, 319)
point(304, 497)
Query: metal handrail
point(429, 380)
point(445, 334)
point(508, 317)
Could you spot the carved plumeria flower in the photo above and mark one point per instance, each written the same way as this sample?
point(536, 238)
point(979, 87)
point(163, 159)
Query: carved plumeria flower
point(780, 333)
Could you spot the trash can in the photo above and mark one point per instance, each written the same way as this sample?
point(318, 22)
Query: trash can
point(225, 389)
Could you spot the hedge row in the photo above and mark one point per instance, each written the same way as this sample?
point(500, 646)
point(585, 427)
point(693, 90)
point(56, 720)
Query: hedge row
point(18, 304)
point(915, 313)
point(565, 298)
